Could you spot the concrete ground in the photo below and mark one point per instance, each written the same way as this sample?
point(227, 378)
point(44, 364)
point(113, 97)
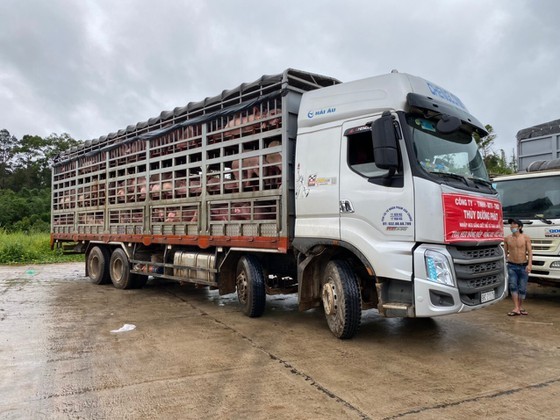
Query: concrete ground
point(193, 355)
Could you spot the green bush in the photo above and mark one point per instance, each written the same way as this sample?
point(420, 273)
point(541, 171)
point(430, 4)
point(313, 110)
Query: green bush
point(32, 224)
point(30, 247)
point(27, 210)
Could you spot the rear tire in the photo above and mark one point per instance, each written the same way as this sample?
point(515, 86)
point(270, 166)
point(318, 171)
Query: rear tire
point(250, 286)
point(121, 276)
point(341, 299)
point(98, 265)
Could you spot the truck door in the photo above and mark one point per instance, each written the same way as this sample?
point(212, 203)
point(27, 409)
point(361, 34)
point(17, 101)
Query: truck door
point(375, 211)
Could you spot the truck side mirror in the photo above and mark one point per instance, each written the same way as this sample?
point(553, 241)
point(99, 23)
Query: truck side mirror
point(385, 143)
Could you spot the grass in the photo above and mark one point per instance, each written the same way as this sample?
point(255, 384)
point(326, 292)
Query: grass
point(26, 248)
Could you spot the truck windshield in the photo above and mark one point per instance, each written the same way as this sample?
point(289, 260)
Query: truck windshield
point(530, 198)
point(454, 154)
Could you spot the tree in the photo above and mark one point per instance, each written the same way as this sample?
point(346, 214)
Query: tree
point(513, 161)
point(8, 144)
point(485, 143)
point(34, 158)
point(25, 177)
point(495, 162)
point(56, 144)
point(29, 164)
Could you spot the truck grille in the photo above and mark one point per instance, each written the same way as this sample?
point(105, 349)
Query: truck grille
point(545, 246)
point(478, 270)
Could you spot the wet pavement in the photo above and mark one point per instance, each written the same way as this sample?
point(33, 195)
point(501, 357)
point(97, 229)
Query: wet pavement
point(193, 355)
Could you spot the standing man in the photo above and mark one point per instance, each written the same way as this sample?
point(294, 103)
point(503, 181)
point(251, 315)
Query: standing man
point(519, 256)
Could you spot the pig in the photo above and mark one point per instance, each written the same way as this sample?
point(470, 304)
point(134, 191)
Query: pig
point(155, 191)
point(241, 211)
point(249, 172)
point(120, 192)
point(219, 214)
point(158, 215)
point(173, 217)
point(181, 188)
point(185, 143)
point(155, 187)
point(167, 189)
point(243, 120)
point(213, 183)
point(141, 188)
point(130, 190)
point(273, 167)
point(274, 122)
point(195, 188)
point(193, 214)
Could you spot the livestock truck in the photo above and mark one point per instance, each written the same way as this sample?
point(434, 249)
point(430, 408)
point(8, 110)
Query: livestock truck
point(362, 195)
point(533, 196)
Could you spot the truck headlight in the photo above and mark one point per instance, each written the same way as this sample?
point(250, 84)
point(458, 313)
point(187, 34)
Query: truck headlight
point(438, 269)
point(555, 264)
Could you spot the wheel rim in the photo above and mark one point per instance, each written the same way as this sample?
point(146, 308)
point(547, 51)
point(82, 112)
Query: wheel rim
point(242, 287)
point(329, 298)
point(94, 266)
point(118, 269)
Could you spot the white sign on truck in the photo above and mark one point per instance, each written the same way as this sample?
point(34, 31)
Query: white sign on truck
point(362, 195)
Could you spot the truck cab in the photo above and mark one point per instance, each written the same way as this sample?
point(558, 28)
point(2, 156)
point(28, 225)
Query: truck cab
point(387, 170)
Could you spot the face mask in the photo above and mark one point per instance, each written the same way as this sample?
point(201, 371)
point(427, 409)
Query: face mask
point(513, 230)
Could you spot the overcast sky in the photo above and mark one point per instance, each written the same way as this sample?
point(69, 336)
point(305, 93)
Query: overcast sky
point(88, 68)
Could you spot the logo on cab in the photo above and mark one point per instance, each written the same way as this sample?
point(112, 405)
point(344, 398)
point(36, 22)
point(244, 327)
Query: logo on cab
point(552, 233)
point(320, 112)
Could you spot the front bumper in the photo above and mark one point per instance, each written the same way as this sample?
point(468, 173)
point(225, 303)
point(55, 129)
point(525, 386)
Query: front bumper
point(476, 270)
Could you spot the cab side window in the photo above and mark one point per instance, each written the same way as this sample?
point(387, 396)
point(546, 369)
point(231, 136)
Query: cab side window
point(360, 155)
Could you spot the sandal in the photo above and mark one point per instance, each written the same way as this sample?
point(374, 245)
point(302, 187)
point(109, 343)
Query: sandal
point(523, 312)
point(513, 313)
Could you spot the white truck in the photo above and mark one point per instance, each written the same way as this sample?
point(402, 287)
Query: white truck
point(533, 197)
point(359, 195)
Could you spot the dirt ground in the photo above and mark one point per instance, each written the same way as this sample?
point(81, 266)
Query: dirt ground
point(193, 355)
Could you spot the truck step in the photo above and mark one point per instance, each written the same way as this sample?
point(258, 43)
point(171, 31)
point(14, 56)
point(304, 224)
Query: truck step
point(397, 309)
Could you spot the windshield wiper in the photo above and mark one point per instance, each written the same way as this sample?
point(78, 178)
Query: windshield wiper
point(543, 219)
point(452, 175)
point(469, 181)
point(481, 181)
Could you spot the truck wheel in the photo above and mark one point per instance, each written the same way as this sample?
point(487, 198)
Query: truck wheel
point(250, 286)
point(121, 276)
point(98, 265)
point(341, 299)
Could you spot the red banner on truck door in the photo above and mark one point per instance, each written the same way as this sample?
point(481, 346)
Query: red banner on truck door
point(468, 218)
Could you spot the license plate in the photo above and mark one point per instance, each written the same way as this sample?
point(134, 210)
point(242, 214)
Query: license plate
point(487, 296)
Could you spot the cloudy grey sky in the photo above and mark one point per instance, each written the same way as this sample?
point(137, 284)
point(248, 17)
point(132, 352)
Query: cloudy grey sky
point(91, 67)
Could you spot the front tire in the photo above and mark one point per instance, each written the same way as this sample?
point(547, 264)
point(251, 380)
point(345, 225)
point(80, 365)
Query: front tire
point(250, 286)
point(121, 276)
point(98, 265)
point(341, 299)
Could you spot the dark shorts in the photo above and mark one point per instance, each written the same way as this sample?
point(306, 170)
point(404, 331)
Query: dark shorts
point(518, 278)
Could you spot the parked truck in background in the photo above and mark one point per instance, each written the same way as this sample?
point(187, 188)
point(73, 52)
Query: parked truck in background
point(359, 195)
point(533, 196)
point(538, 143)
